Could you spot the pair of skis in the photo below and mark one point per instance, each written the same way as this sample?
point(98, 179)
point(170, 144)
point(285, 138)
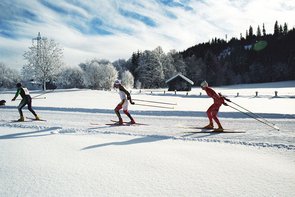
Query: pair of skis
point(204, 130)
point(116, 123)
point(29, 120)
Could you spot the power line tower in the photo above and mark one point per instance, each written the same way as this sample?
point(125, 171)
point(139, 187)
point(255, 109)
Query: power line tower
point(38, 42)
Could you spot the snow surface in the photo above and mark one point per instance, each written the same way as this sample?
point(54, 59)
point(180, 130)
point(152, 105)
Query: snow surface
point(67, 155)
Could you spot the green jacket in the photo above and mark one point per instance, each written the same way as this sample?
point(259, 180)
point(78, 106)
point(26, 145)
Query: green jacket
point(23, 92)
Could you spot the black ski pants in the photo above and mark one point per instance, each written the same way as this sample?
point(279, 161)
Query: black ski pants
point(26, 101)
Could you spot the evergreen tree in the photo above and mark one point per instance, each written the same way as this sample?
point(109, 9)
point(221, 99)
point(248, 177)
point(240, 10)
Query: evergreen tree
point(251, 34)
point(150, 70)
point(178, 62)
point(168, 66)
point(281, 29)
point(276, 29)
point(285, 31)
point(211, 63)
point(195, 68)
point(258, 32)
point(263, 30)
point(120, 65)
point(135, 63)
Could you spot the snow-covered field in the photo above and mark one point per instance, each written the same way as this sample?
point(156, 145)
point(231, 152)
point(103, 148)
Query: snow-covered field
point(68, 156)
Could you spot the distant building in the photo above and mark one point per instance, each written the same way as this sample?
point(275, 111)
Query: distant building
point(179, 83)
point(33, 85)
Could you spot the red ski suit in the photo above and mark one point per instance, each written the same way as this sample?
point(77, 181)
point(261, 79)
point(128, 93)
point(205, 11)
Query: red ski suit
point(214, 108)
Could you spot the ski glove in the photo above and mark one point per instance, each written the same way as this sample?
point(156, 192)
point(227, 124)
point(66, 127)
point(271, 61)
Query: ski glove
point(224, 97)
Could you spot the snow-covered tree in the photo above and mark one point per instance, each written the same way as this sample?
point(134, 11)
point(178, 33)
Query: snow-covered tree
point(70, 78)
point(168, 66)
point(44, 60)
point(169, 69)
point(8, 77)
point(99, 74)
point(120, 65)
point(150, 70)
point(178, 62)
point(137, 84)
point(127, 79)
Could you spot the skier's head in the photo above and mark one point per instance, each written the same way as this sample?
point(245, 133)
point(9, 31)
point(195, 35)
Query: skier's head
point(117, 83)
point(204, 84)
point(18, 85)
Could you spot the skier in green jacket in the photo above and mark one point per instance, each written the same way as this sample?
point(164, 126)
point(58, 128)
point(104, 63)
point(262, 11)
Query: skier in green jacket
point(26, 100)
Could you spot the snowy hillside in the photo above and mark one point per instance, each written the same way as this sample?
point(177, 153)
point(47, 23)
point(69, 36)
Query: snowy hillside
point(74, 152)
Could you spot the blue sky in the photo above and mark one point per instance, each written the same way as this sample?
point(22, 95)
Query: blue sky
point(113, 29)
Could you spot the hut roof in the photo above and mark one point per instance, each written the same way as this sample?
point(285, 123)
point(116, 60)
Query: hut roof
point(182, 76)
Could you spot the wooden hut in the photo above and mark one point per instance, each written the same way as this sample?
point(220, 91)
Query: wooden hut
point(179, 83)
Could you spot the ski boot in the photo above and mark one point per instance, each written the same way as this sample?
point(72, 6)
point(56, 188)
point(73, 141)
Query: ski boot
point(209, 126)
point(37, 117)
point(219, 129)
point(120, 122)
point(132, 121)
point(21, 119)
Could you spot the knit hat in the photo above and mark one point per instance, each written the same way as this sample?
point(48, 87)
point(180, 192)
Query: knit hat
point(117, 82)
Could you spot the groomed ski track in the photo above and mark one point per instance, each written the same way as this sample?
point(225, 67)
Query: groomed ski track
point(160, 127)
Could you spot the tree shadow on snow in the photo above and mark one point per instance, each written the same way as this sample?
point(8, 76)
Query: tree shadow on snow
point(29, 134)
point(145, 139)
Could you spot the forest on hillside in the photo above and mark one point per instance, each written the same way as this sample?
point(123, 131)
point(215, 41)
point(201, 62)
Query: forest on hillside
point(256, 58)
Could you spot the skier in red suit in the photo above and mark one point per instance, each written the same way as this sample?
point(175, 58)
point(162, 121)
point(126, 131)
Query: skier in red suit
point(214, 108)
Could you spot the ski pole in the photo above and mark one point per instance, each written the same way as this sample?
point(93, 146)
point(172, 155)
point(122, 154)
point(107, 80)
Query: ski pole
point(272, 126)
point(39, 95)
point(33, 98)
point(248, 111)
point(155, 102)
point(154, 106)
point(42, 94)
point(40, 98)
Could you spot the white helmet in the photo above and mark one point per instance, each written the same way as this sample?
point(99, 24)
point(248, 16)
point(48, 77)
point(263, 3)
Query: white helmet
point(204, 84)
